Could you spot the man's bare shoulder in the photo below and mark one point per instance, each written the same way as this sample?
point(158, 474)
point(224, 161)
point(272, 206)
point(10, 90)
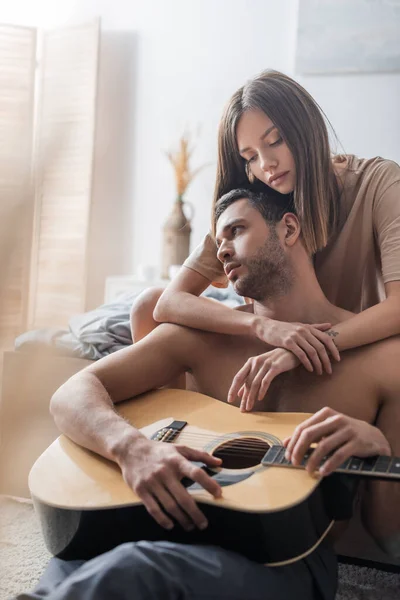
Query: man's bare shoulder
point(388, 349)
point(381, 361)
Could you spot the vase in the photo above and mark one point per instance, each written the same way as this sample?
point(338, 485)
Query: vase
point(176, 237)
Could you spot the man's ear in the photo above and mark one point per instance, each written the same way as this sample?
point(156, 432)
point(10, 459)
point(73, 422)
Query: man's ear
point(290, 228)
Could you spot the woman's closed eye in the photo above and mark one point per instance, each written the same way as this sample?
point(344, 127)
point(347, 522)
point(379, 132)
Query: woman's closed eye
point(277, 142)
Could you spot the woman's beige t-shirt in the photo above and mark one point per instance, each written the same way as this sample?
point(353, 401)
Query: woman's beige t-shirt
point(363, 254)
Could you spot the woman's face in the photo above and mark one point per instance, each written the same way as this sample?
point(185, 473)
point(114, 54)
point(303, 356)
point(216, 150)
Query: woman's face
point(267, 155)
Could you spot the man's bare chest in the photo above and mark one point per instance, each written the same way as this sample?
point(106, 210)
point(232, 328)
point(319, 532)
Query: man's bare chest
point(294, 391)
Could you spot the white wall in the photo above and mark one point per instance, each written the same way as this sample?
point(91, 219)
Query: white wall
point(189, 56)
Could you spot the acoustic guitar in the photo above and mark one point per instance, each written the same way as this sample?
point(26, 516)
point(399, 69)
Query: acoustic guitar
point(268, 512)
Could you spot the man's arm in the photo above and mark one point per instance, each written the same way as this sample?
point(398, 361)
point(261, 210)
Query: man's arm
point(83, 409)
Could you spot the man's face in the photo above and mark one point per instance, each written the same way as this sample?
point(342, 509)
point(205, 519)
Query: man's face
point(251, 253)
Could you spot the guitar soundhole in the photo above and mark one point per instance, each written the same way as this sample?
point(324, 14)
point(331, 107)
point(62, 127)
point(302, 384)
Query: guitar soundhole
point(241, 453)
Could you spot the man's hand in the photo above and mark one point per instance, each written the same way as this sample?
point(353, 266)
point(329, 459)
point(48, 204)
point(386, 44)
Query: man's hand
point(154, 471)
point(312, 346)
point(334, 433)
point(251, 383)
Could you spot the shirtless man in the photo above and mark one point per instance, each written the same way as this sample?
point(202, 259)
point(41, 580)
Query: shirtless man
point(261, 248)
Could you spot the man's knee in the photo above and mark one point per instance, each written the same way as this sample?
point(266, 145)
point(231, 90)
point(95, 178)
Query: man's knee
point(148, 565)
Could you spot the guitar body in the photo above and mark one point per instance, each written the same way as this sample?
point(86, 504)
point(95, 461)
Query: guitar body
point(271, 515)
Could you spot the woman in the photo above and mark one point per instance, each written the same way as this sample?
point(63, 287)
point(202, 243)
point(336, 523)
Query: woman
point(273, 137)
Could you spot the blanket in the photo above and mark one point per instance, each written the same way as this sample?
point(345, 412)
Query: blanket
point(101, 331)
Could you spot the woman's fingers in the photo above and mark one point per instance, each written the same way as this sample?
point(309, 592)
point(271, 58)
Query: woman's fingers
point(322, 326)
point(322, 352)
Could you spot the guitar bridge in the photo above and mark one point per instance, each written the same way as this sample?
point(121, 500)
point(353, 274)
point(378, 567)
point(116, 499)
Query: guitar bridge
point(170, 433)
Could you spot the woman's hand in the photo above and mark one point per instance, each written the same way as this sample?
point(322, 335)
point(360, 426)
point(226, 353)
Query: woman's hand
point(335, 434)
point(251, 383)
point(309, 343)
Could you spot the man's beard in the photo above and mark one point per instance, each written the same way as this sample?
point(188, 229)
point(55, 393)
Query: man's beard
point(269, 274)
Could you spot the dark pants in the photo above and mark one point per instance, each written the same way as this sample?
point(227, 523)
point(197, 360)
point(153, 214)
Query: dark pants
point(167, 571)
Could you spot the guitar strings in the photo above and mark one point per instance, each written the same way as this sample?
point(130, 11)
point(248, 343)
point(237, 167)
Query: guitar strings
point(248, 448)
point(251, 439)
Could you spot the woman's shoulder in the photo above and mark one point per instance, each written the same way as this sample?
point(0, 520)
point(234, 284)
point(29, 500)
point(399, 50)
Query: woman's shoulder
point(353, 171)
point(363, 181)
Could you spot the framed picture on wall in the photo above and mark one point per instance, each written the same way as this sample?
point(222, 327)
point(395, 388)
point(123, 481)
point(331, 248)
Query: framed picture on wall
point(348, 36)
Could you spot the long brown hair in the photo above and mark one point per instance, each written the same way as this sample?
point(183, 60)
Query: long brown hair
point(301, 124)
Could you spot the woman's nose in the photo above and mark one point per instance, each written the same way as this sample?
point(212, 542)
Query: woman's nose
point(267, 162)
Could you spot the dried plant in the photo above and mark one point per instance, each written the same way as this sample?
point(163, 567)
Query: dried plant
point(180, 161)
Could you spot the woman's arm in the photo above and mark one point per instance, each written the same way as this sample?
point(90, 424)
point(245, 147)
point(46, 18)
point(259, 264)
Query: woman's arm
point(373, 324)
point(180, 304)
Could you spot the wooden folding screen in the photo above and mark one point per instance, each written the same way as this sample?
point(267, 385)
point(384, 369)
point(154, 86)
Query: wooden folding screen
point(17, 75)
point(65, 135)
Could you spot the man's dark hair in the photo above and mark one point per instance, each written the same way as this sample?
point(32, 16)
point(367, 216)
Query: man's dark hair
point(270, 206)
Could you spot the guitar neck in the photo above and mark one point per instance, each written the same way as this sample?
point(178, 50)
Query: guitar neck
point(380, 467)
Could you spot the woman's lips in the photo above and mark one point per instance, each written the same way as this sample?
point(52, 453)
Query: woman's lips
point(279, 179)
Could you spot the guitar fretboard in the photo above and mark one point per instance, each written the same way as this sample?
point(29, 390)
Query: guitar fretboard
point(381, 467)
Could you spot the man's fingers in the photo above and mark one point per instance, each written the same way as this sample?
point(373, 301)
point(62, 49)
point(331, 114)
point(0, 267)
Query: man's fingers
point(255, 386)
point(238, 381)
point(312, 434)
point(171, 502)
point(266, 382)
point(188, 505)
point(338, 458)
point(327, 445)
point(318, 417)
point(187, 469)
point(198, 475)
point(200, 455)
point(154, 510)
